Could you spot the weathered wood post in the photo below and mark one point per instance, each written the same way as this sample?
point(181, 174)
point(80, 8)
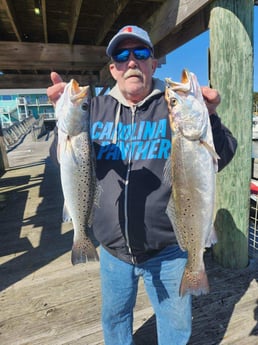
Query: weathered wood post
point(231, 72)
point(3, 156)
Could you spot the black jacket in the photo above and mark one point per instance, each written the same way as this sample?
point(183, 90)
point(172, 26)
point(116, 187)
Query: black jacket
point(132, 145)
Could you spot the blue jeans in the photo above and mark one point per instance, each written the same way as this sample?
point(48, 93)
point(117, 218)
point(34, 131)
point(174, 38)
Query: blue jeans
point(162, 276)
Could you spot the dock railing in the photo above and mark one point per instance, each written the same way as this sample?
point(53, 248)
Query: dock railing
point(13, 134)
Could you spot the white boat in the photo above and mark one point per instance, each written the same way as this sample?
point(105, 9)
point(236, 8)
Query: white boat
point(255, 128)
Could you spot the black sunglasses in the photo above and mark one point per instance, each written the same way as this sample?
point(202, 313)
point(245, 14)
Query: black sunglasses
point(140, 53)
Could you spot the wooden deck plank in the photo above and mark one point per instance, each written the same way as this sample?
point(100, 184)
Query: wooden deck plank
point(44, 300)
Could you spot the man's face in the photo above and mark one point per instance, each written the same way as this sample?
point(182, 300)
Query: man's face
point(134, 77)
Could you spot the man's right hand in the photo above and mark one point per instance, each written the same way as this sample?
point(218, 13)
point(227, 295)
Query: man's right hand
point(55, 91)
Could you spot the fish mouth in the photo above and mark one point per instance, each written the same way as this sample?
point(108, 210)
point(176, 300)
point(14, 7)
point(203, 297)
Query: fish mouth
point(78, 92)
point(185, 77)
point(184, 85)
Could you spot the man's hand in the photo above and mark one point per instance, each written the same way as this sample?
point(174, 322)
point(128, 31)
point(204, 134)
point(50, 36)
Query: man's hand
point(55, 91)
point(211, 98)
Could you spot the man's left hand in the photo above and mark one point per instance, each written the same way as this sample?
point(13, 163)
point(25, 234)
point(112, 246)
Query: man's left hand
point(211, 98)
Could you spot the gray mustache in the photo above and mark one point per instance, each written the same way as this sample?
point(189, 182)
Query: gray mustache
point(133, 72)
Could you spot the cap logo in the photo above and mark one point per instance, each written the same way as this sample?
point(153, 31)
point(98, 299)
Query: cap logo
point(128, 29)
point(126, 32)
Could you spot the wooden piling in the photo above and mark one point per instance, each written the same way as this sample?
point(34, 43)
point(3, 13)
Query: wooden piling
point(3, 156)
point(231, 72)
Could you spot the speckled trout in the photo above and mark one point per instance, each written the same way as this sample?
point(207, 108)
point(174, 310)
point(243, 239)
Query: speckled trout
point(77, 167)
point(191, 170)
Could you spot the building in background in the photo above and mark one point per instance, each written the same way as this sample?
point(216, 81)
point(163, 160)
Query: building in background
point(16, 105)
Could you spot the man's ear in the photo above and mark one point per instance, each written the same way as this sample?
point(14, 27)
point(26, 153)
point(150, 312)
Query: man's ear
point(112, 69)
point(154, 65)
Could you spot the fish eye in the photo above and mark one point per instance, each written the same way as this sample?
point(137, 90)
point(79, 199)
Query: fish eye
point(84, 106)
point(173, 102)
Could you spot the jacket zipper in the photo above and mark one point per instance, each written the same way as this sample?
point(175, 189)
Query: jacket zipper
point(133, 108)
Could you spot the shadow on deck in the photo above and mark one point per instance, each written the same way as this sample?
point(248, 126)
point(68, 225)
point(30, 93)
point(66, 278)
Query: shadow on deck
point(215, 318)
point(47, 217)
point(47, 301)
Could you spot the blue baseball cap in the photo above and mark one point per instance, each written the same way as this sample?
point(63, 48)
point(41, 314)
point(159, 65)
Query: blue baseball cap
point(129, 31)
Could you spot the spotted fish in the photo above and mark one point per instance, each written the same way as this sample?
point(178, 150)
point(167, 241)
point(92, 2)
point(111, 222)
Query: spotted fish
point(191, 170)
point(77, 167)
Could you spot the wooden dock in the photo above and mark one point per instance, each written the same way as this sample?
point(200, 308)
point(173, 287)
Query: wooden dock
point(44, 300)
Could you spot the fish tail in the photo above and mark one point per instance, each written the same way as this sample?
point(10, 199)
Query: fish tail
point(194, 283)
point(85, 252)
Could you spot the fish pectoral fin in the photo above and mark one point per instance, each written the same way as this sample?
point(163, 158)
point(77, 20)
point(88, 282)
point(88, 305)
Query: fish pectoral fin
point(70, 150)
point(212, 238)
point(167, 173)
point(97, 195)
point(66, 215)
point(211, 150)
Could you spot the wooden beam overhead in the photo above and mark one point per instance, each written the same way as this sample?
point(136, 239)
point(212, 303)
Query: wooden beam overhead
point(44, 19)
point(8, 7)
point(76, 8)
point(171, 17)
point(110, 20)
point(196, 25)
point(73, 37)
point(29, 53)
point(17, 81)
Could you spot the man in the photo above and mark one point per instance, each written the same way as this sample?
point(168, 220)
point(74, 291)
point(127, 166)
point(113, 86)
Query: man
point(131, 136)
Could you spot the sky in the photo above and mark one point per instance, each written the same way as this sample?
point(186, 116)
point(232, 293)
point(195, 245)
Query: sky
point(194, 56)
